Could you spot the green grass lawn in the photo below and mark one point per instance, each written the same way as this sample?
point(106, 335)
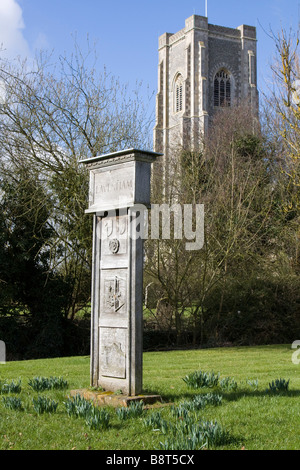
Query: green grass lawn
point(252, 417)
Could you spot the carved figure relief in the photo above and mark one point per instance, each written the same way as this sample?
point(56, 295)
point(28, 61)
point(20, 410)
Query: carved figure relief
point(115, 295)
point(113, 352)
point(114, 235)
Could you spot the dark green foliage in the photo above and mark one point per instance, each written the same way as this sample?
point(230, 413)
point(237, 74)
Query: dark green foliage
point(33, 288)
point(278, 386)
point(95, 418)
point(13, 403)
point(133, 410)
point(157, 422)
point(249, 146)
point(228, 384)
point(200, 401)
point(257, 310)
point(201, 379)
point(192, 435)
point(12, 387)
point(44, 383)
point(78, 406)
point(44, 405)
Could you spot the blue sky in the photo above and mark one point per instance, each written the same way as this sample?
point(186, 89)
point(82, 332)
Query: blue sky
point(126, 33)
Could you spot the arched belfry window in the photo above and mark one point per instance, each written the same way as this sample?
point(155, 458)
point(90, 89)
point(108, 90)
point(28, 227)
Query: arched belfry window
point(178, 94)
point(222, 88)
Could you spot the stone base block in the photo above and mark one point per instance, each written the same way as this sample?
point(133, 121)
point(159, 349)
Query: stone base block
point(101, 398)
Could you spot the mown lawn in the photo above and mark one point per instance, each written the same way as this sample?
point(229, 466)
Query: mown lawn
point(252, 417)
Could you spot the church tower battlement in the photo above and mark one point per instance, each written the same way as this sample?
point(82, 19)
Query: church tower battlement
point(201, 69)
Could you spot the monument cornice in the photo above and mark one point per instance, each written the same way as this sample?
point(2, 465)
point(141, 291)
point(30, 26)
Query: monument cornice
point(121, 156)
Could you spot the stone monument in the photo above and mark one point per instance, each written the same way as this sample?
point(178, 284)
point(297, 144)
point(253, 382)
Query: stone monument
point(119, 189)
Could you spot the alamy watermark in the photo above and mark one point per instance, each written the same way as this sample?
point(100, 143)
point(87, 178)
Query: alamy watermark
point(2, 352)
point(177, 221)
point(296, 92)
point(296, 354)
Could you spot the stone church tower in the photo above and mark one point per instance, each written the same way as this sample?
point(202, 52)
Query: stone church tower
point(201, 69)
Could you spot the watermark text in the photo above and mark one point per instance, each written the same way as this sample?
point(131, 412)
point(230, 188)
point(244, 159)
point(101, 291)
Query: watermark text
point(159, 222)
point(2, 352)
point(296, 354)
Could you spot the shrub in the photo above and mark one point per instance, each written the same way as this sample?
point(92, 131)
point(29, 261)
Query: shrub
point(259, 309)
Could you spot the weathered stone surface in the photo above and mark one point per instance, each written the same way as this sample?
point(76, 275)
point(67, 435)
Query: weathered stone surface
point(119, 180)
point(193, 56)
point(118, 183)
point(112, 399)
point(113, 349)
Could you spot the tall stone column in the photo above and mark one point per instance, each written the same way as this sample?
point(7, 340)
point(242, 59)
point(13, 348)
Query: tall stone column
point(119, 189)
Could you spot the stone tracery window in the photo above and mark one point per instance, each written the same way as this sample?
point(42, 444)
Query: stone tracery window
point(178, 104)
point(222, 88)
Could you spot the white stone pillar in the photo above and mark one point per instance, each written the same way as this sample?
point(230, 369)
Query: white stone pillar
point(119, 189)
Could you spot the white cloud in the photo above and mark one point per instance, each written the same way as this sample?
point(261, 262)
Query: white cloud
point(12, 41)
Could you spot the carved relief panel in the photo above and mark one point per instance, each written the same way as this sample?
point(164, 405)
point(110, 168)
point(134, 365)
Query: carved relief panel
point(114, 298)
point(113, 352)
point(114, 240)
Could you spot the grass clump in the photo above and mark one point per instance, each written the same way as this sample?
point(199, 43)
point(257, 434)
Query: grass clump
point(134, 410)
point(44, 405)
point(39, 384)
point(156, 422)
point(12, 403)
point(252, 383)
point(185, 430)
point(191, 435)
point(199, 402)
point(97, 419)
point(12, 387)
point(79, 407)
point(229, 384)
point(278, 386)
point(201, 379)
